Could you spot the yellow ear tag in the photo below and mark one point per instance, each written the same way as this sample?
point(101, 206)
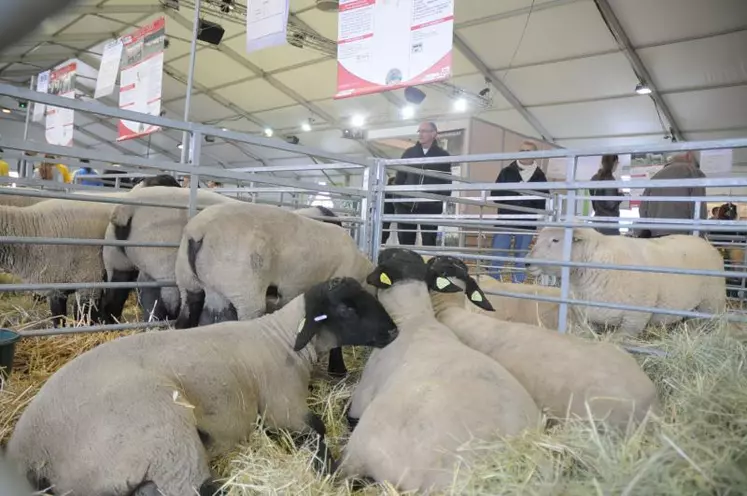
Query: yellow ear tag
point(301, 324)
point(385, 279)
point(442, 282)
point(476, 296)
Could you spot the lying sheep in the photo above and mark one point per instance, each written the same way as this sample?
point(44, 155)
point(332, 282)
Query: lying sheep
point(646, 289)
point(426, 394)
point(534, 312)
point(561, 372)
point(142, 414)
point(12, 483)
point(231, 255)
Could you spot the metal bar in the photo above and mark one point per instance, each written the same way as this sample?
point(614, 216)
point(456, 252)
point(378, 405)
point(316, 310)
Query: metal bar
point(77, 197)
point(190, 79)
point(97, 328)
point(27, 240)
point(379, 172)
point(195, 147)
point(565, 271)
point(67, 286)
point(304, 167)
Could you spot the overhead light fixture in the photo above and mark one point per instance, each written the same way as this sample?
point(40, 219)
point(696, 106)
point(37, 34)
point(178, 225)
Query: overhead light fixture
point(305, 126)
point(642, 89)
point(224, 129)
point(407, 112)
point(6, 111)
point(357, 121)
point(460, 104)
point(268, 132)
point(180, 146)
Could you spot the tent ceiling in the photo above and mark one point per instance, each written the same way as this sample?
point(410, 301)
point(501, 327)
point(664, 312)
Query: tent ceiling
point(558, 58)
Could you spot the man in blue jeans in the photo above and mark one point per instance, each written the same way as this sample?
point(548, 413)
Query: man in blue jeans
point(517, 172)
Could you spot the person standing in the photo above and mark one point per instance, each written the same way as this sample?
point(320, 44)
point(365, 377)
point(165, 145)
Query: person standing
point(682, 166)
point(521, 171)
point(425, 147)
point(606, 208)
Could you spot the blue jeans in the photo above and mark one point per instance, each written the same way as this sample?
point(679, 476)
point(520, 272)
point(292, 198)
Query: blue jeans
point(501, 243)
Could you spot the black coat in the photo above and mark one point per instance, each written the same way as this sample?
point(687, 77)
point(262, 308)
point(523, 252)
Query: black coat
point(414, 178)
point(511, 174)
point(605, 208)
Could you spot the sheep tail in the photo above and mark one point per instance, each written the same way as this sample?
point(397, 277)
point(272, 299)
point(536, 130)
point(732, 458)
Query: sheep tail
point(193, 248)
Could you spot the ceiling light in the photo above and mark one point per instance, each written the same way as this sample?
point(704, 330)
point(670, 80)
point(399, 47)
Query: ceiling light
point(408, 112)
point(305, 126)
point(268, 132)
point(460, 105)
point(322, 183)
point(357, 121)
point(642, 89)
point(179, 146)
point(6, 111)
point(224, 129)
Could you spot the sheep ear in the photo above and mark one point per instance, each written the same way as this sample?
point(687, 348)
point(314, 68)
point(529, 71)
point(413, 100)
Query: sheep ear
point(578, 235)
point(442, 284)
point(307, 329)
point(476, 296)
point(379, 279)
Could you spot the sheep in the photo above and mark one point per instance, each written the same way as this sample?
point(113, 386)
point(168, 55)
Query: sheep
point(148, 410)
point(534, 312)
point(561, 372)
point(12, 483)
point(647, 289)
point(231, 254)
point(426, 394)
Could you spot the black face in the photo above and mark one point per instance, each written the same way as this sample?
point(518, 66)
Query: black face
point(442, 269)
point(342, 307)
point(397, 265)
point(161, 180)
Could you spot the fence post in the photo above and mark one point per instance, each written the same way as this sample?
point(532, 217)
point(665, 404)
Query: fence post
point(195, 146)
point(565, 271)
point(377, 206)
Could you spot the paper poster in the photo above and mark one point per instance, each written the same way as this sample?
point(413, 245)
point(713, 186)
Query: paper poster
point(266, 24)
point(141, 77)
point(388, 44)
point(59, 122)
point(713, 162)
point(641, 174)
point(42, 86)
point(108, 69)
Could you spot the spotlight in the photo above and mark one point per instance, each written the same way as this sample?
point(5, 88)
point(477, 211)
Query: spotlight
point(460, 105)
point(180, 146)
point(306, 127)
point(642, 89)
point(407, 112)
point(268, 132)
point(357, 121)
point(6, 111)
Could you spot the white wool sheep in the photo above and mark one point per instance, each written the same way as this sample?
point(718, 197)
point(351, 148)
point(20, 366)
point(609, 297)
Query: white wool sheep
point(426, 394)
point(147, 410)
point(561, 372)
point(540, 313)
point(12, 483)
point(646, 289)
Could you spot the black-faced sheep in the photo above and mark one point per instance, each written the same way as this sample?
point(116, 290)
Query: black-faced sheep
point(561, 372)
point(426, 394)
point(148, 410)
point(646, 289)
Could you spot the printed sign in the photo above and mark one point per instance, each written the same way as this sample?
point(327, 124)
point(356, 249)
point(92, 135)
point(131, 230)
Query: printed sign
point(59, 123)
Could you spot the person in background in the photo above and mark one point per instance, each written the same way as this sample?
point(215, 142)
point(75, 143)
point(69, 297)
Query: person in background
point(49, 171)
point(87, 170)
point(4, 167)
point(606, 208)
point(714, 213)
point(521, 171)
point(425, 147)
point(388, 210)
point(185, 181)
point(682, 166)
point(214, 184)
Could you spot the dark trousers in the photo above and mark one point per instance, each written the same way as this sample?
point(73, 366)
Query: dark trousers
point(428, 232)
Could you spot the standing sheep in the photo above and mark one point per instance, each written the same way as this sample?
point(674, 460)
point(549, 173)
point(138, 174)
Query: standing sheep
point(561, 372)
point(646, 289)
point(425, 395)
point(143, 413)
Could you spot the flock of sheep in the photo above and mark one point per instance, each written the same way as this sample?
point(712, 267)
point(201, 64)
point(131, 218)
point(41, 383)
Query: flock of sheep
point(262, 293)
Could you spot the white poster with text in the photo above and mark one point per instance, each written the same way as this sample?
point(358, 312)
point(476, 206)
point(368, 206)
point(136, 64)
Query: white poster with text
point(266, 24)
point(59, 126)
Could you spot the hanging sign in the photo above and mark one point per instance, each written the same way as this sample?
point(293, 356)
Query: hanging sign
point(59, 121)
point(387, 44)
point(108, 69)
point(266, 24)
point(141, 77)
point(42, 86)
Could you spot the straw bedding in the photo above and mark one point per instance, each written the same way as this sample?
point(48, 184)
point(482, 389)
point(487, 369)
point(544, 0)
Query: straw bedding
point(698, 446)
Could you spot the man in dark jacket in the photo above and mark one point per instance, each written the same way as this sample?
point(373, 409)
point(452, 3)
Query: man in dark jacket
point(425, 147)
point(682, 166)
point(517, 172)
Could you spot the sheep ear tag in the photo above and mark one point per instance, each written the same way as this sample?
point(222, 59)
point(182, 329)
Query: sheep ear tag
point(445, 285)
point(385, 279)
point(300, 326)
point(476, 297)
point(442, 282)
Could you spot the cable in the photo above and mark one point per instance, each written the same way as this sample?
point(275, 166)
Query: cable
point(521, 39)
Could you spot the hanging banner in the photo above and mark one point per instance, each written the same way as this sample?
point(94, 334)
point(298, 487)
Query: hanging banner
point(141, 77)
point(59, 122)
point(266, 24)
point(388, 44)
point(108, 69)
point(42, 86)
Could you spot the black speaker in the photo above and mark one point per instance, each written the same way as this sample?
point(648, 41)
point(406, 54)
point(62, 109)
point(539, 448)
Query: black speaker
point(210, 32)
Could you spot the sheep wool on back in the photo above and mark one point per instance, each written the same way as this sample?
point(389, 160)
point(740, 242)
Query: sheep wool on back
point(425, 395)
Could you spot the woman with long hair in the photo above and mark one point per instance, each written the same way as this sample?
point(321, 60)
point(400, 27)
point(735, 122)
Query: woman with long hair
point(606, 208)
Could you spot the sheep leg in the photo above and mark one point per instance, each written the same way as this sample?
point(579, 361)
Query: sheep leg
point(336, 366)
point(189, 314)
point(113, 300)
point(314, 431)
point(58, 307)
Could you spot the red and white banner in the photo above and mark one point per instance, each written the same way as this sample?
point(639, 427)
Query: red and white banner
point(388, 44)
point(641, 174)
point(141, 77)
point(59, 125)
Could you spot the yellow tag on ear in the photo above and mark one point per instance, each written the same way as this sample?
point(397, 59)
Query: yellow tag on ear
point(301, 324)
point(385, 279)
point(442, 282)
point(476, 296)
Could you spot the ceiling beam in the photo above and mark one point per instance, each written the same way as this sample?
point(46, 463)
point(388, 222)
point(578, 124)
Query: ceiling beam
point(475, 60)
point(613, 23)
point(65, 38)
point(102, 8)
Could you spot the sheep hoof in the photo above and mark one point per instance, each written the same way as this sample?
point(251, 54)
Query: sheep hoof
point(211, 488)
